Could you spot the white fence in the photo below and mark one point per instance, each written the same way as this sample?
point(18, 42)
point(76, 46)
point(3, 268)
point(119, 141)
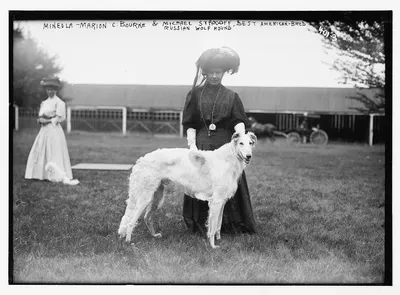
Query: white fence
point(371, 127)
point(98, 118)
point(108, 119)
point(124, 120)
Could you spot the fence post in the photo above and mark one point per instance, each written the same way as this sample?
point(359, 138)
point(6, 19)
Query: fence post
point(124, 114)
point(16, 118)
point(68, 119)
point(371, 129)
point(180, 124)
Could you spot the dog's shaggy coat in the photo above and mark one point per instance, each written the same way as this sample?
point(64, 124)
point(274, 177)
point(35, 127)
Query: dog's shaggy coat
point(55, 174)
point(205, 175)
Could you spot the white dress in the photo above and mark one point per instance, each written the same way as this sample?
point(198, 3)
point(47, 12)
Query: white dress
point(50, 144)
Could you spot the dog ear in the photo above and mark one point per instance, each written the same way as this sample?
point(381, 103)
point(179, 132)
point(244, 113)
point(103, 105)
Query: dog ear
point(252, 136)
point(235, 136)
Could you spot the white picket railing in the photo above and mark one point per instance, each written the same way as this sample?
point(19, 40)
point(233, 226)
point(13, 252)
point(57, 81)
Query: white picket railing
point(108, 118)
point(119, 119)
point(115, 118)
point(371, 128)
point(16, 117)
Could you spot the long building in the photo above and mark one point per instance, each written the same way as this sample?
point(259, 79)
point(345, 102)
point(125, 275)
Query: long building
point(255, 99)
point(156, 108)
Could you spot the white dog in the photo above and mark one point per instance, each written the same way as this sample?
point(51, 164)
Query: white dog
point(55, 174)
point(206, 175)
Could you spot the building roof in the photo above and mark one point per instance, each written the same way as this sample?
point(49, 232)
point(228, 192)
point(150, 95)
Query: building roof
point(255, 99)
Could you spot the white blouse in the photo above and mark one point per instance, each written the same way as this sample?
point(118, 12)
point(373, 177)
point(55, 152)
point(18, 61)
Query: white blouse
point(53, 106)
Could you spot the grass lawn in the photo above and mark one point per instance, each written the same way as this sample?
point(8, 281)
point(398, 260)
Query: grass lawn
point(320, 211)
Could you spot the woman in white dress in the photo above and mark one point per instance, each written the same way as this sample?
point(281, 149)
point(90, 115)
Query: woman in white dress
point(49, 158)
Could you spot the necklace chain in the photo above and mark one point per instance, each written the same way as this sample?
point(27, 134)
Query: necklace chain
point(213, 108)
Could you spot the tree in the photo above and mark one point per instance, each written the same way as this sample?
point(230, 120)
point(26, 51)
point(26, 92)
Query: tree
point(30, 65)
point(360, 45)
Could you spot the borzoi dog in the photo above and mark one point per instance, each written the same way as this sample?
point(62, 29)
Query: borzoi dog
point(205, 175)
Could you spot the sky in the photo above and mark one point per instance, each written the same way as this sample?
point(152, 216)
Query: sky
point(273, 53)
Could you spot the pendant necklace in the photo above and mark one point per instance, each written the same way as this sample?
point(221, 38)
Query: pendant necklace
point(212, 125)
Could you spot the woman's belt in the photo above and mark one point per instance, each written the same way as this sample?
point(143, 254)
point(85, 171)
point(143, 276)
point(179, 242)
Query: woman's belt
point(219, 125)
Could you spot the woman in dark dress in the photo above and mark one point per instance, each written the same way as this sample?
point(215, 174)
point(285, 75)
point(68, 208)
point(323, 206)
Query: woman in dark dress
point(212, 113)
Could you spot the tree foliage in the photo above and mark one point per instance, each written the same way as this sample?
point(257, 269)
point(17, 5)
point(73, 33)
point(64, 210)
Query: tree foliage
point(361, 48)
point(30, 65)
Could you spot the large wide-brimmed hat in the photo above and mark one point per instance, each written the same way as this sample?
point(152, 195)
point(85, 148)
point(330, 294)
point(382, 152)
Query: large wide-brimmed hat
point(52, 82)
point(225, 58)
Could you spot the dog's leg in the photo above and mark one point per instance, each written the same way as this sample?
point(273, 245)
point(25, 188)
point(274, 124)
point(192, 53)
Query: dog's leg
point(141, 204)
point(122, 226)
point(215, 208)
point(130, 207)
point(220, 216)
point(152, 208)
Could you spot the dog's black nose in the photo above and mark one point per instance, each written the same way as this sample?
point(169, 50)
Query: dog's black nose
point(248, 157)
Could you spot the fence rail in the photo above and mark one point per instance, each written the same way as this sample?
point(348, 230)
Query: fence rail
point(364, 128)
point(369, 128)
point(108, 119)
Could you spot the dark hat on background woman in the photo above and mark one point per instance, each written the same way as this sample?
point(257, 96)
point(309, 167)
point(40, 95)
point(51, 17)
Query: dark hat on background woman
point(225, 58)
point(50, 82)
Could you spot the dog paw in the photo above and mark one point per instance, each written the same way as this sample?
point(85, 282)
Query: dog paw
point(122, 232)
point(212, 243)
point(157, 235)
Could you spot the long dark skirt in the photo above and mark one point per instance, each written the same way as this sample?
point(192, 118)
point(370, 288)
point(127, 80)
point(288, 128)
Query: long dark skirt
point(238, 213)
